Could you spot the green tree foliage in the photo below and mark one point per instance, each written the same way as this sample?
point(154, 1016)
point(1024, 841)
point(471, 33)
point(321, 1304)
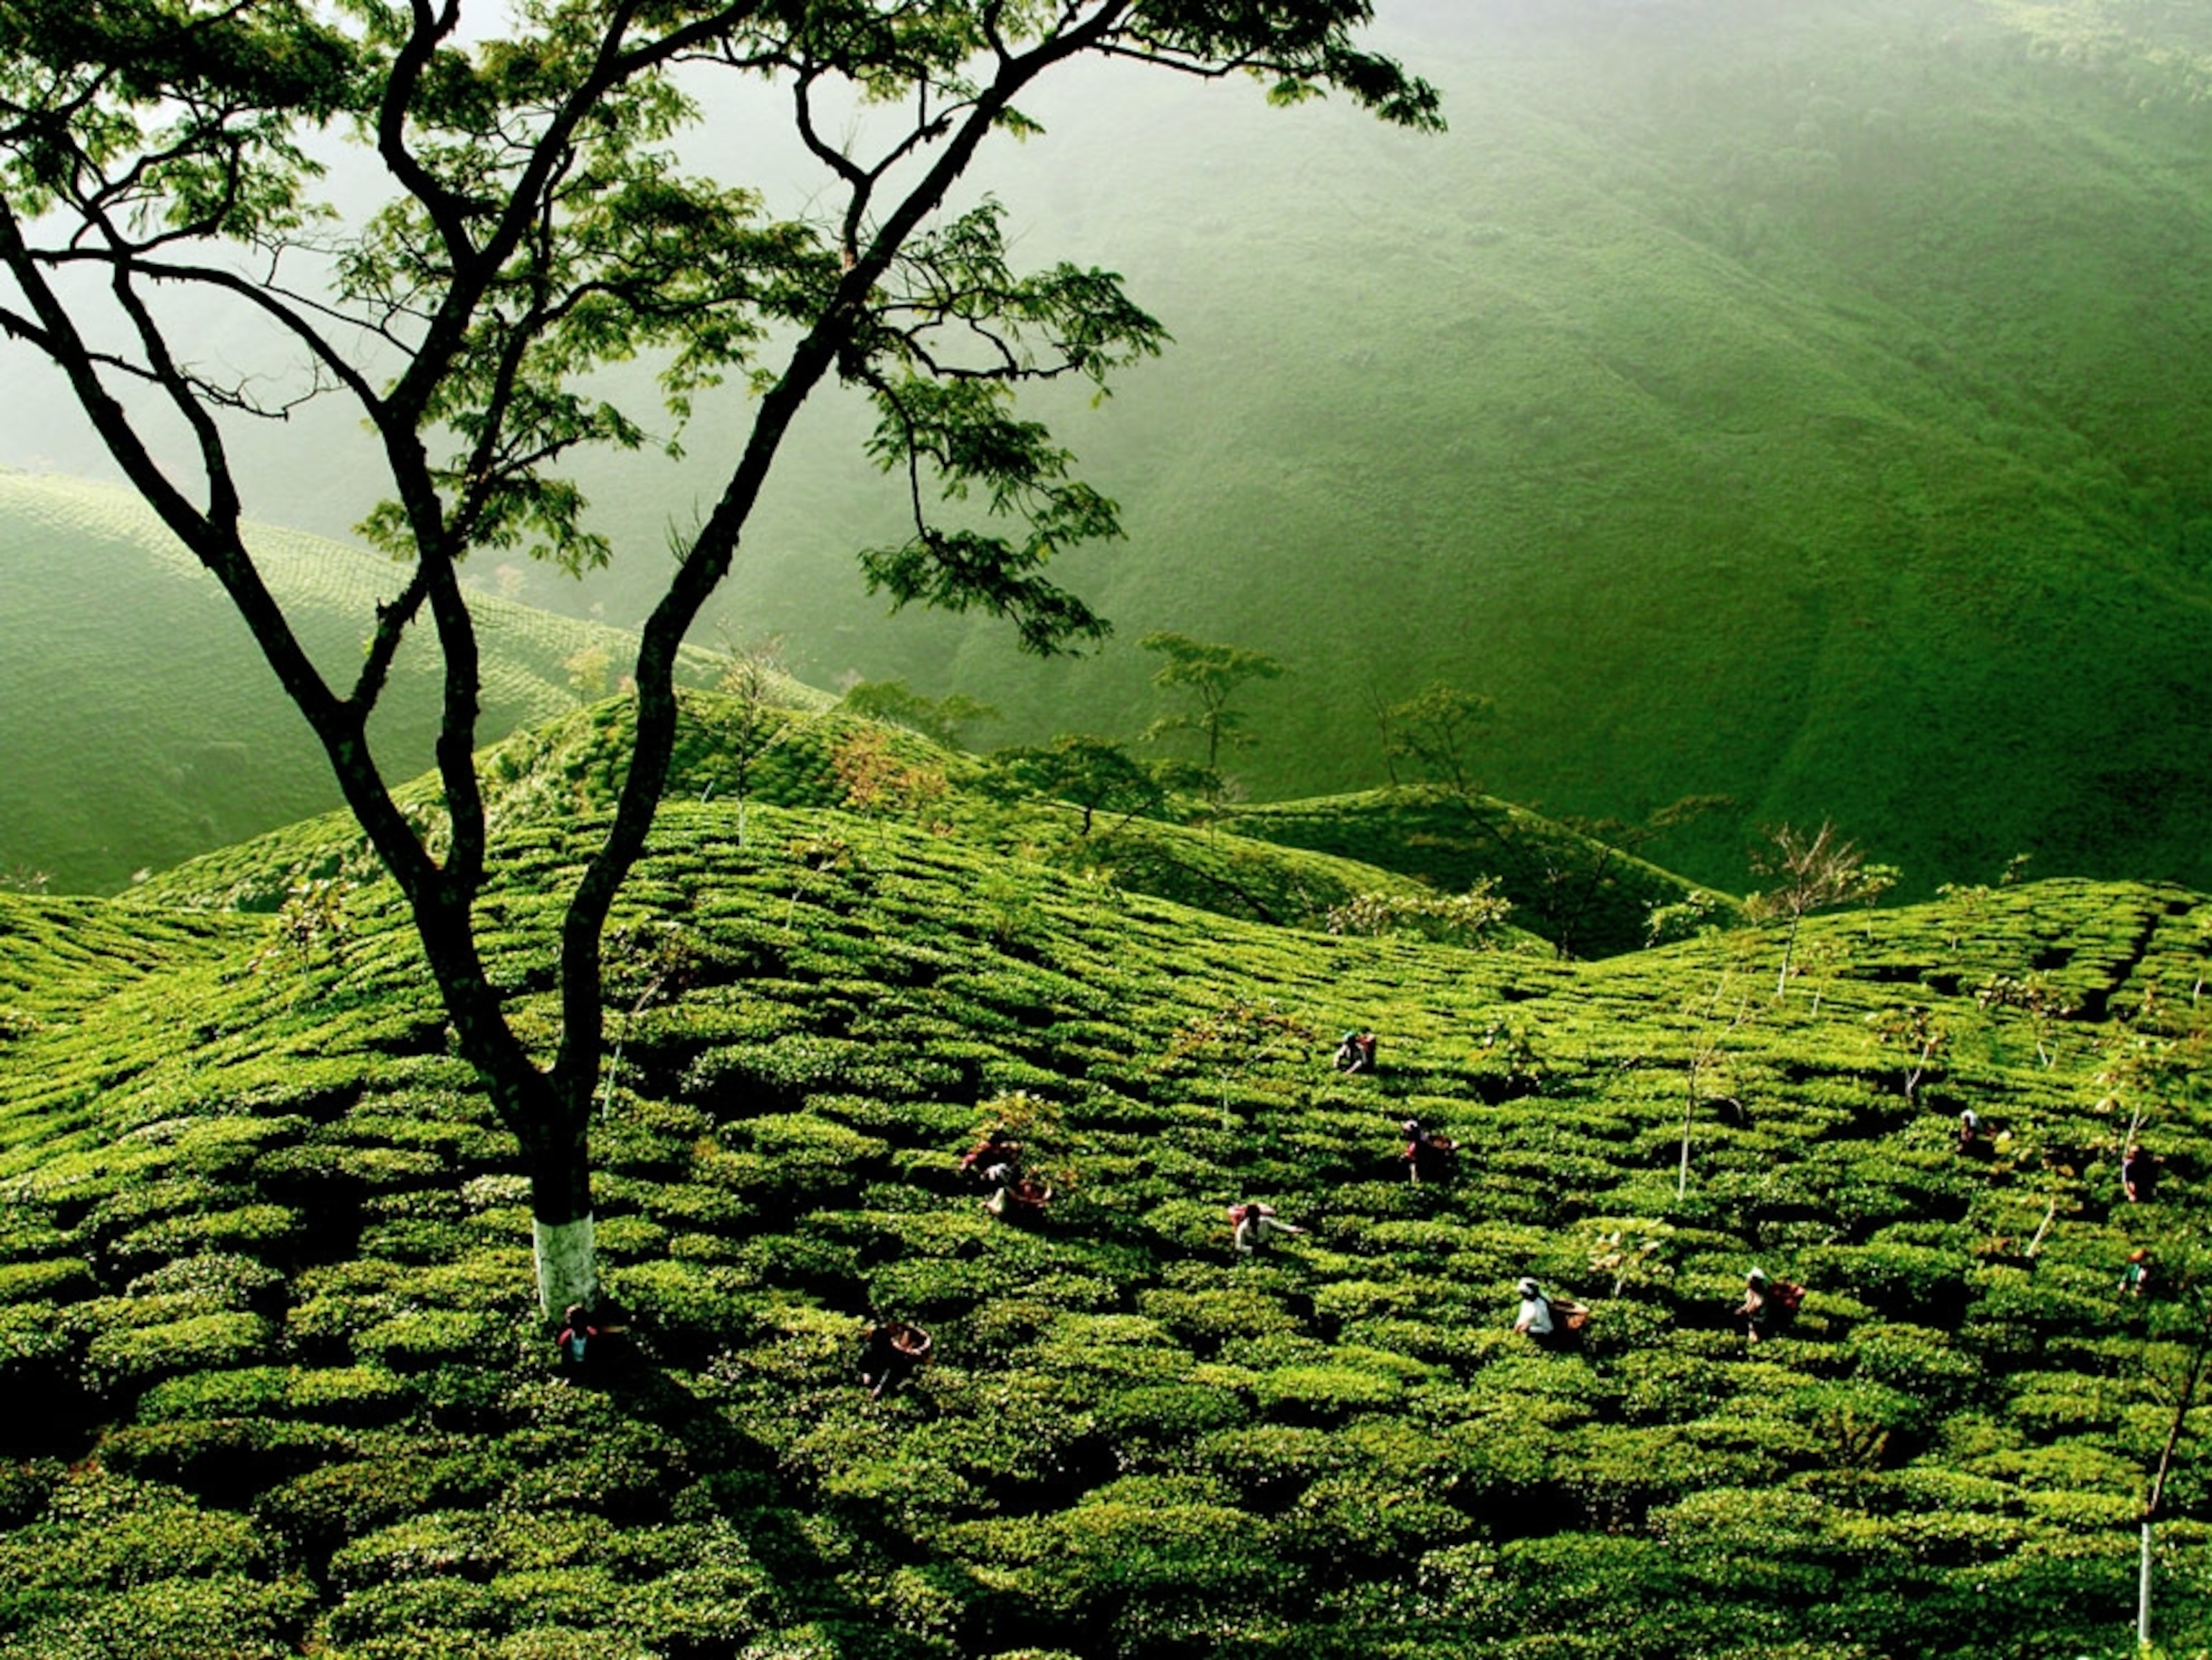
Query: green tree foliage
point(943, 720)
point(539, 224)
point(1437, 730)
point(756, 683)
point(1091, 774)
point(1475, 918)
point(1210, 674)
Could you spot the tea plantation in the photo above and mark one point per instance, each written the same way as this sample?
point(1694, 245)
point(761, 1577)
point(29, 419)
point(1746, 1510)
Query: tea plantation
point(277, 1383)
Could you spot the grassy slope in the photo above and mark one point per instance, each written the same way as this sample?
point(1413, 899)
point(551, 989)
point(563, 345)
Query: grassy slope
point(262, 1255)
point(142, 725)
point(1564, 886)
point(574, 766)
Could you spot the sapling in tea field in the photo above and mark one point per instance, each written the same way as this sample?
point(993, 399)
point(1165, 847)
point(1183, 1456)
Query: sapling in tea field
point(1235, 1039)
point(1918, 1031)
point(2040, 997)
point(2177, 1353)
point(660, 958)
point(1627, 1253)
point(877, 781)
point(1814, 871)
point(1708, 1059)
point(311, 923)
point(753, 679)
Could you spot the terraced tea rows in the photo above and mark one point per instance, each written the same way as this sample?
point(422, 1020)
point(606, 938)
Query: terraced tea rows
point(264, 1284)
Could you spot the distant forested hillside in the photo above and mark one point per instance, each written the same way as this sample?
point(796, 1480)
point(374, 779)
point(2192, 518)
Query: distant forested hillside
point(1799, 404)
point(1802, 404)
point(142, 727)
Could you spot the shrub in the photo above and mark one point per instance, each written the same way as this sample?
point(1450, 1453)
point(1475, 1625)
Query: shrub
point(1907, 1282)
point(215, 1395)
point(1326, 1391)
point(116, 1359)
point(224, 1460)
point(26, 1488)
point(46, 1280)
point(1162, 1417)
point(228, 1614)
point(414, 1339)
point(1146, 1562)
point(33, 1335)
point(1919, 1362)
point(103, 1531)
point(420, 1547)
point(1209, 1319)
point(319, 1509)
point(218, 1277)
point(255, 1226)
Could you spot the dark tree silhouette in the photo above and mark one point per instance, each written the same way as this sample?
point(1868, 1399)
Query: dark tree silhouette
point(540, 222)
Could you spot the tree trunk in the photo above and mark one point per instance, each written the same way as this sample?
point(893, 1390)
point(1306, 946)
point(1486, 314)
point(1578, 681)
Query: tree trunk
point(2142, 1591)
point(1682, 1175)
point(560, 1224)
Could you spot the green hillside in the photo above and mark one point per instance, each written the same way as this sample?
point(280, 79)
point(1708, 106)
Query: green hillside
point(1801, 404)
point(1589, 899)
point(265, 1302)
point(1797, 403)
point(143, 727)
point(1281, 873)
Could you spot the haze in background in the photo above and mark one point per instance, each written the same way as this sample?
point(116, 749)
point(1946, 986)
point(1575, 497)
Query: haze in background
point(1798, 404)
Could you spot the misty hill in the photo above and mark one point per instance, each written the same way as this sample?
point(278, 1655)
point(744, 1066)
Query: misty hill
point(265, 1300)
point(143, 727)
point(1797, 403)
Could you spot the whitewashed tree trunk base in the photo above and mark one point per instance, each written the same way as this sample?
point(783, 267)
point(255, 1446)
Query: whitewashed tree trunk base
point(567, 1266)
point(2142, 1592)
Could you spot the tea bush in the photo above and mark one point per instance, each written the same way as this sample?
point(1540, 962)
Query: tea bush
point(265, 1276)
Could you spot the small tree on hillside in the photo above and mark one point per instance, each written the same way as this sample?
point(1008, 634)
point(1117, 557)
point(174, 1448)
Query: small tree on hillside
point(542, 222)
point(1437, 730)
point(1570, 880)
point(1383, 713)
point(2036, 995)
point(1093, 775)
point(876, 781)
point(1211, 674)
point(2175, 1359)
point(1560, 882)
point(1817, 871)
point(943, 720)
point(755, 681)
point(1235, 1038)
point(1707, 1064)
point(1918, 1031)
